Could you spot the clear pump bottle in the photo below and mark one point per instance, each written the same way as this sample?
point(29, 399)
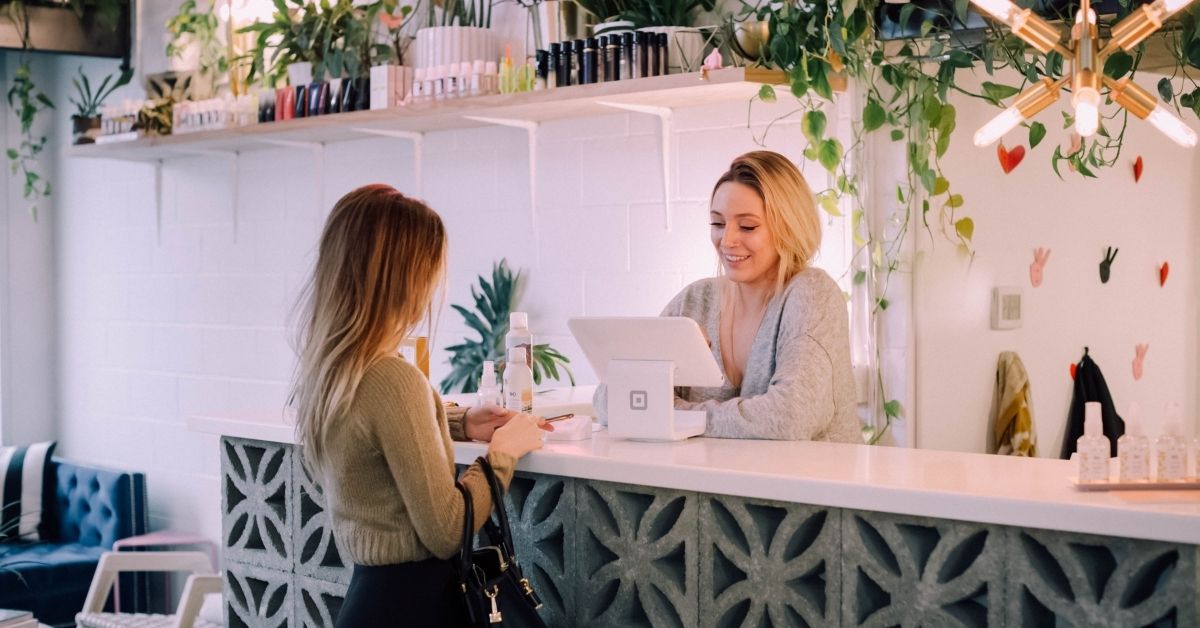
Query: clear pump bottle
point(519, 336)
point(518, 382)
point(1133, 449)
point(489, 390)
point(1092, 448)
point(1172, 449)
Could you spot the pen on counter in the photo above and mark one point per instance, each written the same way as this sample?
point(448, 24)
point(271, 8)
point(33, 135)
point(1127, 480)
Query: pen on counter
point(560, 417)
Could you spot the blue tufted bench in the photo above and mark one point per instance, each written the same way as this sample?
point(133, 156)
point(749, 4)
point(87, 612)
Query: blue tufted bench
point(94, 508)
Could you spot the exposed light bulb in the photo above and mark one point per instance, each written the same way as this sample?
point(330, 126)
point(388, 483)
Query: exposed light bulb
point(1091, 16)
point(1003, 9)
point(1087, 111)
point(998, 126)
point(1171, 6)
point(1172, 127)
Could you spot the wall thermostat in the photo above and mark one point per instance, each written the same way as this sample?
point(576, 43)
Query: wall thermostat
point(1006, 307)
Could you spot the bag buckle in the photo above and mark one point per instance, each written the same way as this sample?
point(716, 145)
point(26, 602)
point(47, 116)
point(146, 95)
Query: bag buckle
point(530, 594)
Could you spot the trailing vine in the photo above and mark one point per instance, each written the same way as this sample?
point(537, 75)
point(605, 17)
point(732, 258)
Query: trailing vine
point(905, 86)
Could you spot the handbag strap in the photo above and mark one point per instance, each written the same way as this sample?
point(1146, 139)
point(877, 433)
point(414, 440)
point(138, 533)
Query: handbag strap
point(468, 536)
point(506, 540)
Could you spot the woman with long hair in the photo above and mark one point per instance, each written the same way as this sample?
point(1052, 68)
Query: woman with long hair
point(778, 327)
point(372, 429)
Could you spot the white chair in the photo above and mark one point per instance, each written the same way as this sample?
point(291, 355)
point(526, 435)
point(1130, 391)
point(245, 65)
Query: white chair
point(201, 582)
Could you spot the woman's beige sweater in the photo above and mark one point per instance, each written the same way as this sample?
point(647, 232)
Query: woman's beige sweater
point(389, 472)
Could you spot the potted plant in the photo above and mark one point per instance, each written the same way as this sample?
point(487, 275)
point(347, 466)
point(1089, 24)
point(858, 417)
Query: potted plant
point(385, 49)
point(675, 18)
point(195, 45)
point(459, 32)
point(493, 303)
point(86, 119)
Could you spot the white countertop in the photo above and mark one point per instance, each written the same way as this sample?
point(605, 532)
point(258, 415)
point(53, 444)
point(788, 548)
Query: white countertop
point(951, 485)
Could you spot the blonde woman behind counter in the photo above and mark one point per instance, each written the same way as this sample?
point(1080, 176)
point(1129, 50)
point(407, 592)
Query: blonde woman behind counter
point(778, 326)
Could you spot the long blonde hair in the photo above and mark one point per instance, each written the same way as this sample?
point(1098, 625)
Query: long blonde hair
point(381, 257)
point(791, 210)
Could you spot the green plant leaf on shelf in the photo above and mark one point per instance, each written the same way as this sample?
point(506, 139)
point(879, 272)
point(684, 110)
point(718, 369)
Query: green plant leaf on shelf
point(940, 186)
point(1165, 90)
point(965, 227)
point(996, 92)
point(766, 93)
point(829, 154)
point(893, 409)
point(1118, 65)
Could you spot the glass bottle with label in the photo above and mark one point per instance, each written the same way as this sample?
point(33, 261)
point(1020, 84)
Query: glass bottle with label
point(518, 382)
point(1133, 449)
point(1171, 449)
point(1092, 448)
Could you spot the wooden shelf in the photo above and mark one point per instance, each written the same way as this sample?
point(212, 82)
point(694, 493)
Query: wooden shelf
point(676, 90)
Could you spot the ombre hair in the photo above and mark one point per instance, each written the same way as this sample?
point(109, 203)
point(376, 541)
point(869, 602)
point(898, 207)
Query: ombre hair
point(381, 259)
point(791, 210)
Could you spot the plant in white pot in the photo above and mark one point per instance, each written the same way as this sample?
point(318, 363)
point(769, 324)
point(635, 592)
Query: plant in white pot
point(676, 18)
point(456, 31)
point(195, 45)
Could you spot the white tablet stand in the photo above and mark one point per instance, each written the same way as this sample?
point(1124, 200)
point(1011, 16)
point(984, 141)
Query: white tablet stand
point(642, 360)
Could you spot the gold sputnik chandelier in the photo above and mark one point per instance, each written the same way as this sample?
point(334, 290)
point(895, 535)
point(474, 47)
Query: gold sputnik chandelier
point(1087, 63)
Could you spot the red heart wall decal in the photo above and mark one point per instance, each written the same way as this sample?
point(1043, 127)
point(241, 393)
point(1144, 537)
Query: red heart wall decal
point(1073, 367)
point(1137, 169)
point(1162, 274)
point(1009, 159)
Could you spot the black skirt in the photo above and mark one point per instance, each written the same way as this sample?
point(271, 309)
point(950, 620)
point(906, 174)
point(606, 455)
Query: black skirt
point(416, 594)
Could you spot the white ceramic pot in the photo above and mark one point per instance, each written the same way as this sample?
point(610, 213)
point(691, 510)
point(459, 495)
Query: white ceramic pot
point(613, 27)
point(442, 45)
point(686, 46)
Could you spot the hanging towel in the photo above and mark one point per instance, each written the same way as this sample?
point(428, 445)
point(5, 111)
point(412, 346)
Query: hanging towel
point(1012, 431)
point(1090, 386)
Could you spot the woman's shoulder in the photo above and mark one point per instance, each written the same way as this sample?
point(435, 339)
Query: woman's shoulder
point(393, 375)
point(811, 283)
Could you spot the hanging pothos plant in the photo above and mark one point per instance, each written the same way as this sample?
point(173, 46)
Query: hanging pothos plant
point(27, 101)
point(905, 86)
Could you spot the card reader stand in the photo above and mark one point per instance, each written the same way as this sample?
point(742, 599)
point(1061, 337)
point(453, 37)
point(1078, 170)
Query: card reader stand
point(641, 402)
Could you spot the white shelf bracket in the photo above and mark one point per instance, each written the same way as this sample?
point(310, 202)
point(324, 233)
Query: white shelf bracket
point(418, 142)
point(531, 131)
point(666, 117)
point(158, 194)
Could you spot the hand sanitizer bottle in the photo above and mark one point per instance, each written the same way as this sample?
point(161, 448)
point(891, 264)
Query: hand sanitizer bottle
point(489, 392)
point(1092, 448)
point(518, 382)
point(1172, 449)
point(1133, 449)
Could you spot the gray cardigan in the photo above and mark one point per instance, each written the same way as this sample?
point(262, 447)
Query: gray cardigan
point(798, 383)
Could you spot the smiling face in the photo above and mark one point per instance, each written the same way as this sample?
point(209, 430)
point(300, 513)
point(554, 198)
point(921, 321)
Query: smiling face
point(741, 236)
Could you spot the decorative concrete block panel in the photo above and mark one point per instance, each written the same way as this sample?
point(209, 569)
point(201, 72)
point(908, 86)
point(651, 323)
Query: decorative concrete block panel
point(541, 510)
point(256, 496)
point(313, 545)
point(767, 563)
point(1059, 578)
point(317, 602)
point(256, 597)
point(918, 571)
point(636, 556)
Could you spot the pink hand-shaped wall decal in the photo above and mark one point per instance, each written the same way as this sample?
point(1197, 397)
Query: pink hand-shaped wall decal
point(1036, 269)
point(1138, 358)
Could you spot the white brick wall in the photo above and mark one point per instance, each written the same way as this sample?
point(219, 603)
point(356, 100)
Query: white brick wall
point(163, 324)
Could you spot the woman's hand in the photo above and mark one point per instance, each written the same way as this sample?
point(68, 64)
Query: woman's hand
point(481, 422)
point(520, 434)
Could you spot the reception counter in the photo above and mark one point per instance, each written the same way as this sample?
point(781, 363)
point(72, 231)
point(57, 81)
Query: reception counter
point(712, 532)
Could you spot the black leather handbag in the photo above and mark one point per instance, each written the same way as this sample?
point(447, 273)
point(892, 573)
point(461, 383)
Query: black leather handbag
point(495, 591)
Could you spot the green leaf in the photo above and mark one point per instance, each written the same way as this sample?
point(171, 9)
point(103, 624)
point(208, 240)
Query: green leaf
point(829, 154)
point(873, 115)
point(965, 228)
point(893, 410)
point(897, 135)
point(1118, 65)
point(960, 59)
point(12, 153)
point(829, 202)
point(766, 93)
point(860, 277)
point(955, 200)
point(997, 92)
point(1037, 131)
point(882, 303)
point(1165, 91)
point(940, 186)
point(813, 125)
